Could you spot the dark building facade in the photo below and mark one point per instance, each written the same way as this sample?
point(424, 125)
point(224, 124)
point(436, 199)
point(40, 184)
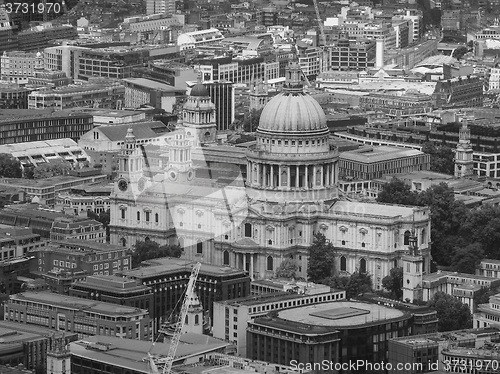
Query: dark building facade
point(21, 127)
point(168, 278)
point(222, 95)
point(13, 97)
point(352, 55)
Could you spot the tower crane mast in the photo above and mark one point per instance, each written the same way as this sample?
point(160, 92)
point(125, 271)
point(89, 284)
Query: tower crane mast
point(323, 37)
point(174, 343)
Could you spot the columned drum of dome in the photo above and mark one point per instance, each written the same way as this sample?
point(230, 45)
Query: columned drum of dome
point(293, 153)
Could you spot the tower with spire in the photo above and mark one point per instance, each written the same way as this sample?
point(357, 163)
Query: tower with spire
point(198, 115)
point(194, 317)
point(412, 270)
point(58, 356)
point(464, 153)
point(259, 96)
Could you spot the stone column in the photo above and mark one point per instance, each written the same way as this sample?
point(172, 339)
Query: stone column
point(297, 169)
point(271, 175)
point(322, 176)
point(244, 261)
point(288, 176)
point(280, 173)
point(251, 267)
point(306, 176)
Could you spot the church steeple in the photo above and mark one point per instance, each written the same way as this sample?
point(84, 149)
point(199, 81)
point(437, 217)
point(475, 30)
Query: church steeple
point(412, 269)
point(464, 162)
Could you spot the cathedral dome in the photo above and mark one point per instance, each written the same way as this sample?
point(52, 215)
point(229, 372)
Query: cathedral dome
point(199, 90)
point(292, 112)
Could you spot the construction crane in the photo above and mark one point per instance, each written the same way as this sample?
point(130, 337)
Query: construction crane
point(324, 61)
point(174, 343)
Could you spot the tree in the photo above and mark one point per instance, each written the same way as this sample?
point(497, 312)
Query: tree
point(287, 269)
point(251, 121)
point(466, 258)
point(10, 167)
point(394, 282)
point(321, 259)
point(452, 314)
point(51, 169)
point(483, 226)
point(442, 158)
point(147, 250)
point(354, 285)
point(447, 217)
point(397, 192)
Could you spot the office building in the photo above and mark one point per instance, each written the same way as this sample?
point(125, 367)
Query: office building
point(115, 290)
point(140, 91)
point(397, 106)
point(91, 95)
point(64, 58)
point(166, 7)
point(81, 199)
point(46, 190)
point(18, 66)
point(40, 37)
point(367, 163)
point(338, 332)
point(95, 355)
point(12, 273)
point(464, 91)
point(27, 345)
point(234, 315)
point(195, 39)
point(75, 315)
point(214, 283)
point(13, 96)
point(347, 54)
point(489, 268)
point(21, 126)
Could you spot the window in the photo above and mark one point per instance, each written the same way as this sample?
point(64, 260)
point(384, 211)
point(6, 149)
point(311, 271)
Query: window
point(226, 257)
point(147, 216)
point(156, 217)
point(343, 264)
point(270, 263)
point(123, 213)
point(362, 266)
point(407, 238)
point(138, 216)
point(248, 230)
point(199, 248)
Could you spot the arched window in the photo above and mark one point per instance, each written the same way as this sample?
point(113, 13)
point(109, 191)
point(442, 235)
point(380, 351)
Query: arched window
point(138, 216)
point(199, 248)
point(123, 210)
point(226, 257)
point(196, 319)
point(362, 266)
point(157, 217)
point(248, 230)
point(407, 238)
point(124, 242)
point(270, 263)
point(343, 263)
point(423, 237)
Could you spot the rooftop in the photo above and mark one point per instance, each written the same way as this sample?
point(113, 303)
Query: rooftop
point(379, 154)
point(142, 130)
point(340, 314)
point(148, 83)
point(130, 353)
point(375, 210)
point(164, 265)
point(75, 303)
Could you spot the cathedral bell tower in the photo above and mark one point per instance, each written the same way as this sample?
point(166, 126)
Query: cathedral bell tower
point(133, 166)
point(464, 153)
point(180, 165)
point(58, 356)
point(412, 270)
point(194, 317)
point(198, 116)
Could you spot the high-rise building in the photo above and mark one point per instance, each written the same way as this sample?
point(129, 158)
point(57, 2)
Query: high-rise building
point(160, 6)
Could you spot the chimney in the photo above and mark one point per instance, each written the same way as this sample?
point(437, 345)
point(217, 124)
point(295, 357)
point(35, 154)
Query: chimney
point(379, 54)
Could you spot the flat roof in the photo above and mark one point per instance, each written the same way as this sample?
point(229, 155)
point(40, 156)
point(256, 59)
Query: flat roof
point(164, 265)
point(379, 154)
point(153, 84)
point(340, 314)
point(131, 354)
point(70, 302)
